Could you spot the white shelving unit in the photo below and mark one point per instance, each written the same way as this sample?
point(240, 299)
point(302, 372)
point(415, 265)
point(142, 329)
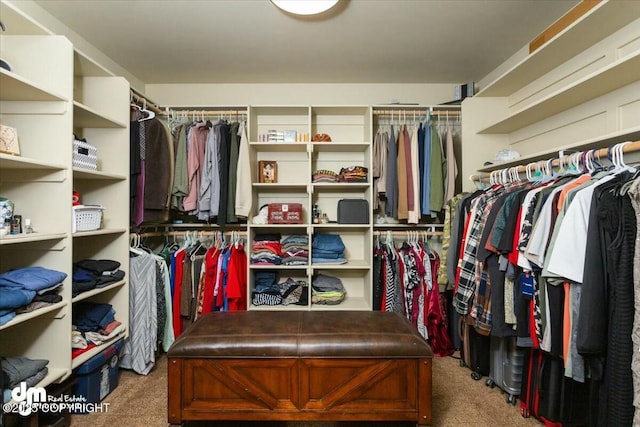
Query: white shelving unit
point(598, 23)
point(101, 116)
point(578, 91)
point(620, 73)
point(350, 131)
point(52, 92)
point(36, 100)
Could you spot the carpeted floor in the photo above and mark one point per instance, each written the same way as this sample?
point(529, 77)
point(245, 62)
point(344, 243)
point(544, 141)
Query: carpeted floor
point(458, 401)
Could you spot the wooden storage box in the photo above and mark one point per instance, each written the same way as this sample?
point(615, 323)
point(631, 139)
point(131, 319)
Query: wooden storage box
point(285, 213)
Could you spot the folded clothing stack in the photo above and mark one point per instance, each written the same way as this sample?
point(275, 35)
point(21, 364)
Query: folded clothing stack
point(18, 369)
point(266, 249)
point(327, 249)
point(27, 289)
point(324, 175)
point(353, 174)
point(93, 324)
point(327, 290)
point(95, 273)
point(267, 291)
point(294, 292)
point(295, 250)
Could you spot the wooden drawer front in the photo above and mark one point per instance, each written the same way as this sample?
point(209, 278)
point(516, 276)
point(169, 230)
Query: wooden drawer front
point(212, 385)
point(360, 385)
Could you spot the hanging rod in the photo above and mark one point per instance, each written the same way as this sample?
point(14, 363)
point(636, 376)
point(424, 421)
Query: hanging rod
point(422, 111)
point(190, 232)
point(408, 233)
point(141, 100)
point(226, 111)
point(602, 152)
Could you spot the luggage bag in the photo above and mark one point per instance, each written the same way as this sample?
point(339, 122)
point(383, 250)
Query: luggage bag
point(475, 349)
point(507, 361)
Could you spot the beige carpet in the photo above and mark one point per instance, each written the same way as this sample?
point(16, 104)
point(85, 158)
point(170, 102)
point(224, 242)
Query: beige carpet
point(458, 401)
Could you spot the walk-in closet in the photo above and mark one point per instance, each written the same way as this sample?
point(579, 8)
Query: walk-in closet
point(251, 213)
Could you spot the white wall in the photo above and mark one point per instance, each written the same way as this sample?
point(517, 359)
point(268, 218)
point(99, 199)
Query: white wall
point(297, 94)
point(33, 16)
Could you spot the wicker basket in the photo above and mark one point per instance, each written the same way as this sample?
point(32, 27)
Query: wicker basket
point(87, 217)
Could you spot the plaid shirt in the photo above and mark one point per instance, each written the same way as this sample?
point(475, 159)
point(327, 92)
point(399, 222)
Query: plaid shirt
point(467, 264)
point(470, 269)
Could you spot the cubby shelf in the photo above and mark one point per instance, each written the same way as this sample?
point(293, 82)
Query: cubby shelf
point(349, 128)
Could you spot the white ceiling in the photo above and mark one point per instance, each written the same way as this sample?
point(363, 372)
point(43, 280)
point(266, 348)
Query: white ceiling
point(362, 41)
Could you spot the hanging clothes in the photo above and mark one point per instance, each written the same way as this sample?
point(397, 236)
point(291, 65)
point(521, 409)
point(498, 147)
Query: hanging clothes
point(405, 280)
point(566, 246)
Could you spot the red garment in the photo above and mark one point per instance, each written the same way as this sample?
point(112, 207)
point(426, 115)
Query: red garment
point(463, 243)
point(513, 255)
point(436, 328)
point(177, 291)
point(237, 279)
point(75, 352)
point(210, 275)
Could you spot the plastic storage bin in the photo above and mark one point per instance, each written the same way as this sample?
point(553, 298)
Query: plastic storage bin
point(98, 376)
point(87, 217)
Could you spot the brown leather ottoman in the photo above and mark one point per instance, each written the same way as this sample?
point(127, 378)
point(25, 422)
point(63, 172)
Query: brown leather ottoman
point(300, 366)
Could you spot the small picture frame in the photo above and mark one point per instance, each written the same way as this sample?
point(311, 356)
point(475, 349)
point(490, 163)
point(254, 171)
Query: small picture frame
point(268, 171)
point(9, 140)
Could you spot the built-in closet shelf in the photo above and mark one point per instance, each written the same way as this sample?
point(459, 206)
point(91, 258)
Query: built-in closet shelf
point(349, 265)
point(341, 186)
point(350, 303)
point(17, 88)
point(32, 237)
point(97, 175)
point(80, 359)
point(277, 267)
point(86, 117)
point(99, 232)
point(8, 161)
point(340, 146)
point(97, 291)
point(278, 307)
point(279, 226)
point(423, 227)
point(280, 187)
point(280, 146)
point(620, 73)
point(53, 375)
point(332, 226)
point(25, 317)
point(83, 66)
point(632, 134)
point(600, 22)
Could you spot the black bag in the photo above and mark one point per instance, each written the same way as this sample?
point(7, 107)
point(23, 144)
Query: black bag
point(353, 211)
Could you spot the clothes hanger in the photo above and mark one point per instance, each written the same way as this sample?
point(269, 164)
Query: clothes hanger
point(149, 114)
point(134, 244)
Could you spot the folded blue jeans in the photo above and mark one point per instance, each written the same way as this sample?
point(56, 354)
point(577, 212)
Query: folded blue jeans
point(328, 242)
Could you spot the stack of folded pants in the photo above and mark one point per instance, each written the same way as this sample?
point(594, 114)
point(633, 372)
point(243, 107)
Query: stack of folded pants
point(327, 249)
point(18, 369)
point(327, 290)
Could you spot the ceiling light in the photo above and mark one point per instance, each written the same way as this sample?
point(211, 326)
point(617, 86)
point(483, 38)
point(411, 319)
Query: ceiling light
point(305, 7)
